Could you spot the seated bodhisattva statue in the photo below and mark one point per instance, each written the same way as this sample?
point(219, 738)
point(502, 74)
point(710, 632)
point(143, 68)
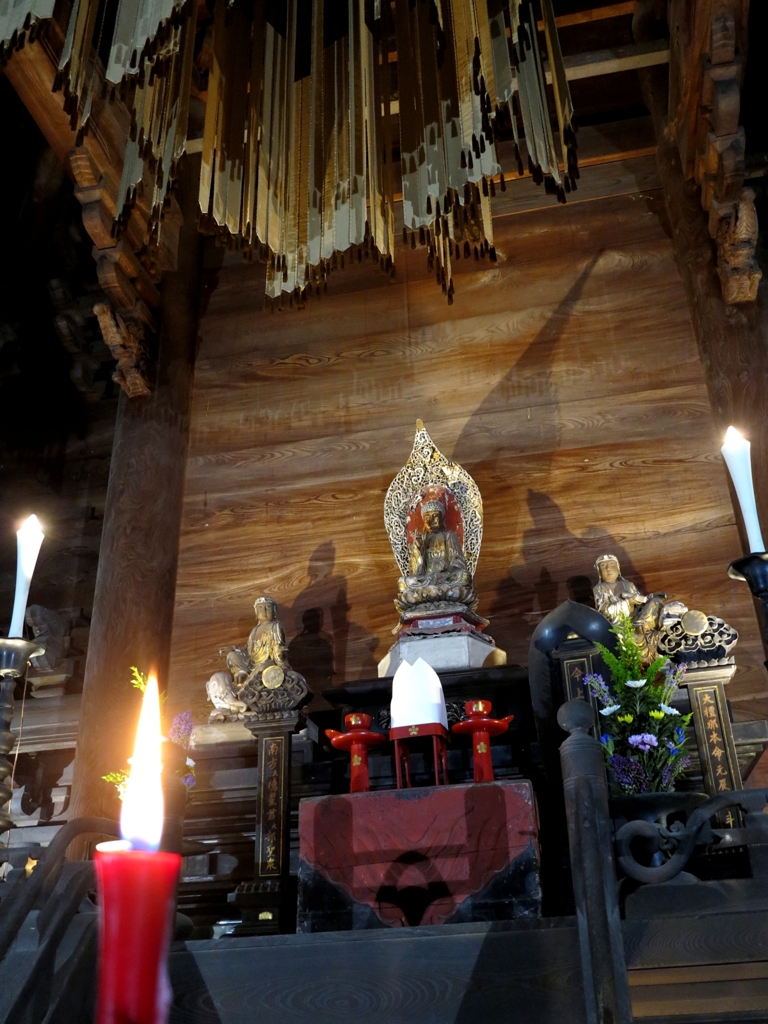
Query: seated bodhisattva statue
point(661, 627)
point(614, 594)
point(259, 681)
point(438, 570)
point(266, 644)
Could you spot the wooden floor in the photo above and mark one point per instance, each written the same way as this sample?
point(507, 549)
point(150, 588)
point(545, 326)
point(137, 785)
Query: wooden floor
point(681, 969)
point(565, 378)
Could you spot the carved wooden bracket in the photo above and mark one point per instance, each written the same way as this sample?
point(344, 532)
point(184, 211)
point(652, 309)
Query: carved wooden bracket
point(719, 165)
point(708, 46)
point(126, 343)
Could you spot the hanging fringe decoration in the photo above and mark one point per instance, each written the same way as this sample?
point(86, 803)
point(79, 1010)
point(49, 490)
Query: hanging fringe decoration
point(143, 28)
point(297, 162)
point(20, 22)
point(455, 77)
point(308, 184)
point(543, 158)
point(447, 148)
point(158, 130)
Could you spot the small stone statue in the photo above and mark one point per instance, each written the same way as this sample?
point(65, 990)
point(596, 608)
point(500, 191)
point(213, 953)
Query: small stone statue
point(737, 237)
point(438, 570)
point(259, 683)
point(50, 670)
point(614, 594)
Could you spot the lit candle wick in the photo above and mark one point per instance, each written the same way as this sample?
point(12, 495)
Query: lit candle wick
point(28, 539)
point(736, 452)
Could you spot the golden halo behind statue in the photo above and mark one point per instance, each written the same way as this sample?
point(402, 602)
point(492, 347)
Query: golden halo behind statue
point(428, 467)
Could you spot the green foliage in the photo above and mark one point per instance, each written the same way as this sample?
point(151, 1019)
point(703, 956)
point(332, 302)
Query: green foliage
point(119, 779)
point(629, 663)
point(138, 679)
point(182, 727)
point(643, 736)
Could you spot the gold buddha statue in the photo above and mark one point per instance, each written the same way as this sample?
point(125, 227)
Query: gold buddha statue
point(266, 644)
point(259, 683)
point(437, 567)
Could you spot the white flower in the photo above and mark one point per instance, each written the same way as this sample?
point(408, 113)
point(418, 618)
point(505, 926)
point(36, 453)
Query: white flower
point(191, 763)
point(668, 711)
point(635, 684)
point(610, 709)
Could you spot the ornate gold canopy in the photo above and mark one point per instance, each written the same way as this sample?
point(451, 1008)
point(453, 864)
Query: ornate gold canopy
point(428, 467)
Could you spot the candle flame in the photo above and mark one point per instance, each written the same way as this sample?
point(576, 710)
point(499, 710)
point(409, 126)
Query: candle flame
point(141, 821)
point(734, 438)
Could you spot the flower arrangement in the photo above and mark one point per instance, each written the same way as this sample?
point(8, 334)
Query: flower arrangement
point(179, 733)
point(644, 736)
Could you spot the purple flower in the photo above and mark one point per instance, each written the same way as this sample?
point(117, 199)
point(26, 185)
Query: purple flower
point(181, 729)
point(672, 770)
point(643, 741)
point(598, 689)
point(189, 781)
point(630, 774)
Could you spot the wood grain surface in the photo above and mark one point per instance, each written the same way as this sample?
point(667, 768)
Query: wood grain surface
point(524, 971)
point(565, 378)
point(434, 975)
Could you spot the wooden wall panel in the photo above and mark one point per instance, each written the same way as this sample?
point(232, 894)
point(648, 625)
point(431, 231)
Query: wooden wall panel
point(565, 378)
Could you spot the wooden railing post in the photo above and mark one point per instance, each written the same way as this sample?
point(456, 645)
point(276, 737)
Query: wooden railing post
point(604, 970)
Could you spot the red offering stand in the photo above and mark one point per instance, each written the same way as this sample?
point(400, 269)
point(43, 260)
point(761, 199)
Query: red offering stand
point(403, 733)
point(481, 726)
point(356, 740)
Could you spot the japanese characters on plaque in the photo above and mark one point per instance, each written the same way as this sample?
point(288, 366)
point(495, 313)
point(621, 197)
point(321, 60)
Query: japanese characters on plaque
point(271, 818)
point(575, 656)
point(715, 740)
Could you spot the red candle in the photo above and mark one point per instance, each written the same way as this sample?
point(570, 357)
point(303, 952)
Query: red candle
point(136, 884)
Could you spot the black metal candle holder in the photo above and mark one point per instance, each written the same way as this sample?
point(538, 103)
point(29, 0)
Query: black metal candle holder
point(753, 570)
point(14, 659)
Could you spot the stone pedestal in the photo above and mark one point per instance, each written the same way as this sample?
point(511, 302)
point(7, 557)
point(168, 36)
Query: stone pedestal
point(714, 733)
point(437, 855)
point(262, 902)
point(445, 652)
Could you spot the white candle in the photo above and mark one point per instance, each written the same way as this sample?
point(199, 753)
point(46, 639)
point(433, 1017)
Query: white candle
point(29, 538)
point(736, 454)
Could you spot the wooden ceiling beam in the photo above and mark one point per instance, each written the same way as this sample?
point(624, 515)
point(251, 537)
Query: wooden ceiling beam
point(611, 61)
point(594, 14)
point(603, 62)
point(579, 18)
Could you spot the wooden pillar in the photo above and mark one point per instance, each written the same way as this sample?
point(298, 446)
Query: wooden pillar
point(136, 579)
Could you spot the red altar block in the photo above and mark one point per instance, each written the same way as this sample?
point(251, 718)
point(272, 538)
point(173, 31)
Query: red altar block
point(435, 855)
